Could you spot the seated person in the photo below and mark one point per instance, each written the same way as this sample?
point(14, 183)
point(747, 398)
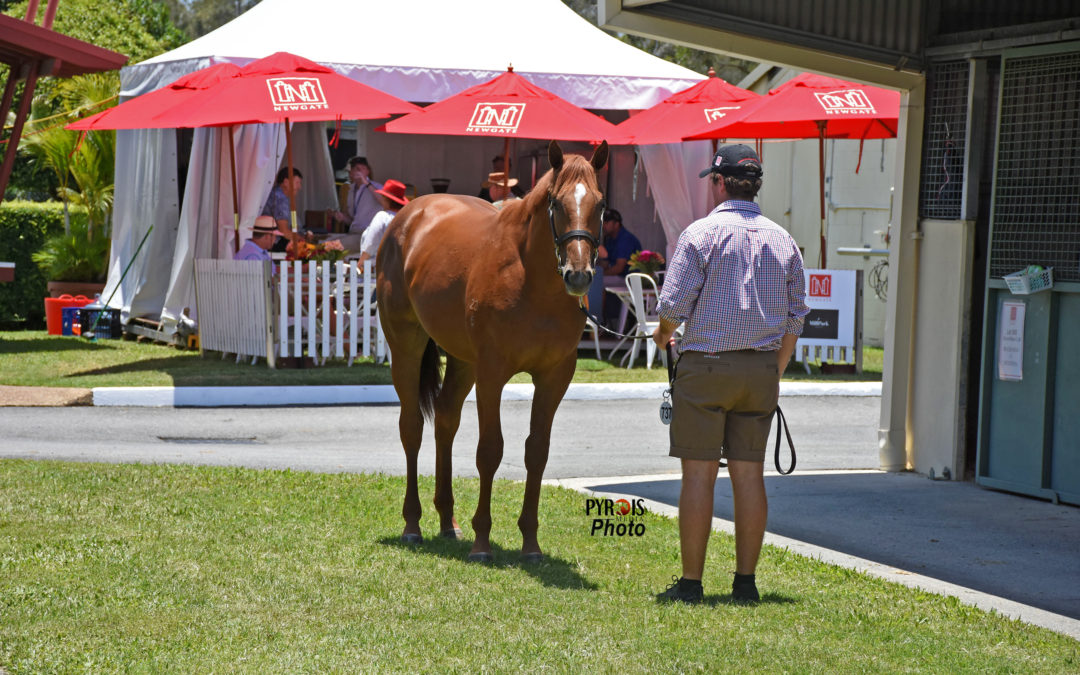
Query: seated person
point(277, 206)
point(615, 251)
point(500, 189)
point(498, 166)
point(361, 205)
point(263, 234)
point(618, 245)
point(392, 197)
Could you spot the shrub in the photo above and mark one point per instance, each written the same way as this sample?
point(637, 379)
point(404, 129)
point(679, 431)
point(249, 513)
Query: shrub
point(80, 255)
point(24, 229)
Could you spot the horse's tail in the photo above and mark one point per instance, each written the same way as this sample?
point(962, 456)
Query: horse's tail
point(430, 380)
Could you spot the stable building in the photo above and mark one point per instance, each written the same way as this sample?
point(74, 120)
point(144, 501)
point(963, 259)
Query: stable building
point(977, 380)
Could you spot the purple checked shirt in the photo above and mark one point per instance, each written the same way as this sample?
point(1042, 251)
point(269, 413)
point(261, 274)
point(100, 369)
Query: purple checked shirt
point(736, 279)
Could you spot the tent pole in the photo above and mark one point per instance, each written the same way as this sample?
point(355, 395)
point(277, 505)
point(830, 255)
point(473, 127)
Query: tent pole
point(821, 175)
point(506, 164)
point(292, 192)
point(235, 201)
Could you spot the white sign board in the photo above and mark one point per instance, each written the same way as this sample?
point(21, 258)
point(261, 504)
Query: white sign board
point(1011, 341)
point(830, 295)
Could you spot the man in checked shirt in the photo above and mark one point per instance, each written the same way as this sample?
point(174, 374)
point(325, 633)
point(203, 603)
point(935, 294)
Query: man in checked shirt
point(736, 280)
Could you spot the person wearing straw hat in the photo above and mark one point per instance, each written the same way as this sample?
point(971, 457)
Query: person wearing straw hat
point(498, 165)
point(736, 281)
point(392, 197)
point(263, 234)
point(500, 188)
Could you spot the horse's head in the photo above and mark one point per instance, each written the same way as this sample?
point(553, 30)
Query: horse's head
point(575, 209)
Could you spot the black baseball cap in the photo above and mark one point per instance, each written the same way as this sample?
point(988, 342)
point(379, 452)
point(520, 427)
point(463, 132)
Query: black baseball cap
point(735, 160)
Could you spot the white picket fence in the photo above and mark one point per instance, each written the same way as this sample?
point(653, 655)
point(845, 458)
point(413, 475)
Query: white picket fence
point(327, 311)
point(319, 310)
point(235, 301)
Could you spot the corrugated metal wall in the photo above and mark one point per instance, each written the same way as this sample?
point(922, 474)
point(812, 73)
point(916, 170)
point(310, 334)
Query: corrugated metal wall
point(884, 31)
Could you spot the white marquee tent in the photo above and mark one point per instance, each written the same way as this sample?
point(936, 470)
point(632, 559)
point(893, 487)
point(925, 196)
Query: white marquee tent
point(419, 50)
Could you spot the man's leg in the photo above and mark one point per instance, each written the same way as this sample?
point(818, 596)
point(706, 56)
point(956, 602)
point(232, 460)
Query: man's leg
point(751, 511)
point(695, 513)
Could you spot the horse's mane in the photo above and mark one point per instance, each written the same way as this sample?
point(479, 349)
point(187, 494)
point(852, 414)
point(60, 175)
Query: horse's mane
point(575, 169)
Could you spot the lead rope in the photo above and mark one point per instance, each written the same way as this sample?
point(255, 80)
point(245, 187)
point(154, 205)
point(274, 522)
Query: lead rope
point(781, 422)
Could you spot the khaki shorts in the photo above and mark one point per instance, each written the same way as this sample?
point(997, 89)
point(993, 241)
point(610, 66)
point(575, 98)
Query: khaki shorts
point(722, 405)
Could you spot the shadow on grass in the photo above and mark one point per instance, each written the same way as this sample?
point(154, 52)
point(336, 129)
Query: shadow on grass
point(50, 344)
point(552, 571)
point(766, 599)
point(211, 370)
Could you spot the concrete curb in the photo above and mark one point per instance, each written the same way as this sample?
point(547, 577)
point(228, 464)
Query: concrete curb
point(990, 603)
point(213, 397)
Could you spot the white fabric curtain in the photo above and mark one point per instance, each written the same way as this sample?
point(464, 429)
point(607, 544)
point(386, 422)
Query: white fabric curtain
point(680, 196)
point(206, 227)
point(145, 196)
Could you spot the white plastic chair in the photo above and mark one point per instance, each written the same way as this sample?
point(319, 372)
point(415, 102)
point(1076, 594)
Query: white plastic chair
point(647, 320)
point(590, 325)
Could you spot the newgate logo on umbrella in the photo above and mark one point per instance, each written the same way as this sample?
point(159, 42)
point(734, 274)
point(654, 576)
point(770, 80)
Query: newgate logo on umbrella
point(496, 118)
point(296, 93)
point(713, 114)
point(845, 102)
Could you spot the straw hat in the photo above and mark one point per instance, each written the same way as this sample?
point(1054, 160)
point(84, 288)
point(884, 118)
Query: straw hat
point(264, 225)
point(497, 179)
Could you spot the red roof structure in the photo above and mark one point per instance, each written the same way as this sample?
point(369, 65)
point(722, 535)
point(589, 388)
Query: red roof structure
point(33, 51)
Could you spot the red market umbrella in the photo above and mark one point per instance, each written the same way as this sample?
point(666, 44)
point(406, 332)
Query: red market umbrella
point(813, 106)
point(281, 87)
point(286, 88)
point(507, 106)
point(706, 102)
point(139, 112)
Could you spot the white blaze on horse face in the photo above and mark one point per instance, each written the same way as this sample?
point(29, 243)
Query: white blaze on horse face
point(579, 194)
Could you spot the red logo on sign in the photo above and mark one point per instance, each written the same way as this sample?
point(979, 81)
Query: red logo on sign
point(821, 285)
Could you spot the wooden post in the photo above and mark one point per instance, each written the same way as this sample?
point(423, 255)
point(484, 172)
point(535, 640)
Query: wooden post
point(292, 193)
point(822, 258)
point(235, 200)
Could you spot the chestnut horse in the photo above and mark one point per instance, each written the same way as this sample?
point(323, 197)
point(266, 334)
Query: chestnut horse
point(499, 291)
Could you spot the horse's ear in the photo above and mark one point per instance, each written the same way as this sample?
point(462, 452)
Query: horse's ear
point(555, 157)
point(600, 156)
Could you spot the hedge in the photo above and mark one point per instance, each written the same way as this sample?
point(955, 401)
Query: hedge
point(24, 227)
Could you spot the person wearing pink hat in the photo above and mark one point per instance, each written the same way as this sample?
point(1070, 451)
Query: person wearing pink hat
point(392, 197)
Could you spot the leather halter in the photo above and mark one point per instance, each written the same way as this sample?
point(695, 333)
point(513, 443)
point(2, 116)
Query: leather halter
point(562, 239)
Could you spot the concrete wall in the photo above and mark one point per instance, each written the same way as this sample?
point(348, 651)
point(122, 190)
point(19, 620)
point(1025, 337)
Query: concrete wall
point(857, 206)
point(939, 378)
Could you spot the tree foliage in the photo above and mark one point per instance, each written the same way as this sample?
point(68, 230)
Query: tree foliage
point(138, 28)
point(726, 67)
point(198, 17)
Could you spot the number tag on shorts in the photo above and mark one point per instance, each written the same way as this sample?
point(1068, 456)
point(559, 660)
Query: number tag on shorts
point(665, 408)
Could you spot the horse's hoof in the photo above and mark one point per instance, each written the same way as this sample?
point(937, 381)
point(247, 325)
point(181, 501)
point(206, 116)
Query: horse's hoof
point(411, 538)
point(532, 558)
point(452, 533)
point(481, 557)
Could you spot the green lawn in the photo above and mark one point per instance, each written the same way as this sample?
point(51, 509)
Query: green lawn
point(159, 568)
point(33, 358)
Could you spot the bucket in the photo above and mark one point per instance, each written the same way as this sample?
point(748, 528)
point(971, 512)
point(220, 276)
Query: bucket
point(54, 307)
